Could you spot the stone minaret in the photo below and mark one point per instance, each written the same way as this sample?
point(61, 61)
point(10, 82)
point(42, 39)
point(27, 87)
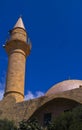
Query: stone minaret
point(18, 49)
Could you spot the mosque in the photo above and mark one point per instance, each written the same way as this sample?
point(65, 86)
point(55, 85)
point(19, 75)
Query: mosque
point(61, 97)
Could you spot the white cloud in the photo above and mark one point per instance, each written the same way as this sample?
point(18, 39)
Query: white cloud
point(30, 95)
point(1, 94)
point(1, 89)
point(39, 94)
point(2, 80)
point(2, 85)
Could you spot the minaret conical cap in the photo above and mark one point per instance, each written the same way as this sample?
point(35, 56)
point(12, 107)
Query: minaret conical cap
point(19, 24)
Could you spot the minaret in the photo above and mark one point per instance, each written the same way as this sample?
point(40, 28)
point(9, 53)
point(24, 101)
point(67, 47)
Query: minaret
point(17, 49)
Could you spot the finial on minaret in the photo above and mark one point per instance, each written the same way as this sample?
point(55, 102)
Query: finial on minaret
point(19, 23)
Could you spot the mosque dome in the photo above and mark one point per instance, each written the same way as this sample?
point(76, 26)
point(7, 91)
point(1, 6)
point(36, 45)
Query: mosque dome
point(64, 86)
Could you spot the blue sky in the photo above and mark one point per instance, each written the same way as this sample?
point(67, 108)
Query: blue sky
point(55, 30)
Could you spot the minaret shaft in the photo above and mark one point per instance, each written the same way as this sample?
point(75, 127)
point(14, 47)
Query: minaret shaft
point(16, 73)
point(18, 49)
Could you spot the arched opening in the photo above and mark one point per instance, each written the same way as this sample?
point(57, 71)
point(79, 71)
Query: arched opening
point(50, 110)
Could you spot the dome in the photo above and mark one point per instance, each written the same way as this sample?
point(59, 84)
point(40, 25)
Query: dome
point(64, 86)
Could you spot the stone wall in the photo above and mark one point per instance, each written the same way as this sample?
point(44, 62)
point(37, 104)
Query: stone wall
point(24, 110)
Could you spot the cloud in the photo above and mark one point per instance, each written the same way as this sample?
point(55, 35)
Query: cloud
point(1, 94)
point(2, 80)
point(30, 95)
point(39, 93)
point(2, 84)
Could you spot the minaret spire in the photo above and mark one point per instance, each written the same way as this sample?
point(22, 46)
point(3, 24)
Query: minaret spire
point(19, 24)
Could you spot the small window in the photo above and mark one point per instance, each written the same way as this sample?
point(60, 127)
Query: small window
point(47, 118)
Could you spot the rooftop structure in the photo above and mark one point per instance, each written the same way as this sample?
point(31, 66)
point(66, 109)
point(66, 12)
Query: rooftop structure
point(19, 24)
